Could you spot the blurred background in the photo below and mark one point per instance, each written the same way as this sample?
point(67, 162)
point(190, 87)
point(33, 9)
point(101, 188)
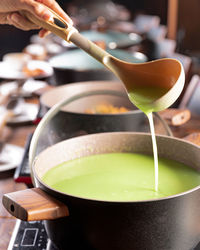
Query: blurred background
point(36, 73)
point(186, 30)
point(176, 20)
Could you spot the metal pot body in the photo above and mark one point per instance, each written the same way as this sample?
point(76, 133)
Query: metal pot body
point(170, 223)
point(66, 125)
point(63, 76)
point(72, 120)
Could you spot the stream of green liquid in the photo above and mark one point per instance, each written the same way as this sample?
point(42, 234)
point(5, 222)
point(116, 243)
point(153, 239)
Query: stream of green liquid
point(155, 150)
point(143, 99)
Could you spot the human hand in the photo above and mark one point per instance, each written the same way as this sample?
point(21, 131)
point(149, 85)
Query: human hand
point(10, 13)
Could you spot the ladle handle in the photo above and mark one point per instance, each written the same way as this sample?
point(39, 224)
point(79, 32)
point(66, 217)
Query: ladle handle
point(61, 28)
point(34, 204)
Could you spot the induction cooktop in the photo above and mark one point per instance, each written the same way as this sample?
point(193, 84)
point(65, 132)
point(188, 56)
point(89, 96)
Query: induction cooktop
point(30, 236)
point(33, 236)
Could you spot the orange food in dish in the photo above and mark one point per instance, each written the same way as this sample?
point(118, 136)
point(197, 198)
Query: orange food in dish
point(106, 109)
point(32, 72)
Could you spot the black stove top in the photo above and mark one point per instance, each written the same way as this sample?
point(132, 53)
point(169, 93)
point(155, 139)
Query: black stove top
point(30, 236)
point(33, 236)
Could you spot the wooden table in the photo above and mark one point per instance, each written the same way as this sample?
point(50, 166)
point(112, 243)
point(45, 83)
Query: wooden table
point(17, 136)
point(7, 184)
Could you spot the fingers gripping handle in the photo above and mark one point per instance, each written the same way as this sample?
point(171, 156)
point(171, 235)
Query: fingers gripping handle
point(61, 28)
point(56, 24)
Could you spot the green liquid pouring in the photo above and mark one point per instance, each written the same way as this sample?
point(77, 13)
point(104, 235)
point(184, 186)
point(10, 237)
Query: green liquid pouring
point(143, 99)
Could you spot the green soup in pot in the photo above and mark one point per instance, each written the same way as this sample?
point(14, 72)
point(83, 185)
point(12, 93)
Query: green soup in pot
point(121, 177)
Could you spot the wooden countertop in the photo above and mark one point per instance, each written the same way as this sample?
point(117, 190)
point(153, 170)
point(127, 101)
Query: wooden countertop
point(7, 184)
point(18, 136)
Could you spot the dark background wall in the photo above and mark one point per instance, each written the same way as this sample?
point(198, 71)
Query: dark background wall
point(151, 7)
point(12, 39)
point(189, 24)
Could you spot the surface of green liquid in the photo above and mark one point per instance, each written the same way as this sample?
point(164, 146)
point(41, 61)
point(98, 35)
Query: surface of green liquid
point(144, 97)
point(121, 177)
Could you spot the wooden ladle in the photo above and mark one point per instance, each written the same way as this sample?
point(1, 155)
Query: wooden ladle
point(152, 86)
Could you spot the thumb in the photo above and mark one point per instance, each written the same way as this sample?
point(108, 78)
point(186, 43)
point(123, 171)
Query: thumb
point(37, 9)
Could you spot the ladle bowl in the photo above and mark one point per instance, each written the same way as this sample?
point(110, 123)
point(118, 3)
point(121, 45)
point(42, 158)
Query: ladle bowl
point(153, 86)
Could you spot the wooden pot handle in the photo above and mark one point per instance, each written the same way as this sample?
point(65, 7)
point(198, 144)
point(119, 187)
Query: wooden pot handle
point(175, 117)
point(60, 27)
point(34, 204)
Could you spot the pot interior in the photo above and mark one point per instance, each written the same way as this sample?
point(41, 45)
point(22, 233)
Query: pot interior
point(52, 97)
point(88, 104)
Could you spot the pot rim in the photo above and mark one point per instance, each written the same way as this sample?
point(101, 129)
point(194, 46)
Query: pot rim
point(117, 91)
point(79, 70)
point(117, 201)
point(130, 112)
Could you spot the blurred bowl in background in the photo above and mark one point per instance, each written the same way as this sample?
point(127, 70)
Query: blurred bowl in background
point(113, 39)
point(121, 40)
point(50, 43)
point(32, 69)
point(16, 61)
point(36, 51)
point(76, 65)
